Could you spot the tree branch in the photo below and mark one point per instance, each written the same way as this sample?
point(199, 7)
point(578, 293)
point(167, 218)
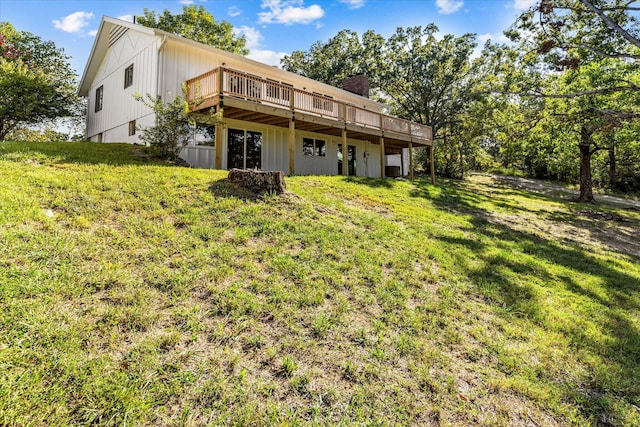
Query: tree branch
point(600, 52)
point(613, 25)
point(633, 88)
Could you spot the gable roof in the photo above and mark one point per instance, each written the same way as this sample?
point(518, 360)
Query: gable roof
point(108, 25)
point(100, 47)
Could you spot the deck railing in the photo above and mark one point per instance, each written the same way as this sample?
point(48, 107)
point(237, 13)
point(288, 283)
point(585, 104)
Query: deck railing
point(227, 82)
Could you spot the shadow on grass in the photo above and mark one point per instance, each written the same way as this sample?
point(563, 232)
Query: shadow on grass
point(371, 182)
point(513, 281)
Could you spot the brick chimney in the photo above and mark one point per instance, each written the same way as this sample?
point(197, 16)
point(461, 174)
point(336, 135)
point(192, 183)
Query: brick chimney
point(358, 84)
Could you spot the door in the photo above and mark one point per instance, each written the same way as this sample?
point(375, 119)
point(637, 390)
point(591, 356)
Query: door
point(351, 160)
point(244, 149)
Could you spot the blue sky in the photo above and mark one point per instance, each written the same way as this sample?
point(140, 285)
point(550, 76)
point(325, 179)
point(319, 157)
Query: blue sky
point(272, 27)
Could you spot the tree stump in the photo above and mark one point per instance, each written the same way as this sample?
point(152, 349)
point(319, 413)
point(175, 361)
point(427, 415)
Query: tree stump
point(258, 181)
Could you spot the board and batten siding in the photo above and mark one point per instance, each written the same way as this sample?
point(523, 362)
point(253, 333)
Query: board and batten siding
point(275, 152)
point(182, 61)
point(118, 105)
point(367, 157)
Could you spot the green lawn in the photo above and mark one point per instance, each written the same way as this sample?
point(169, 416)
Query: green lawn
point(134, 293)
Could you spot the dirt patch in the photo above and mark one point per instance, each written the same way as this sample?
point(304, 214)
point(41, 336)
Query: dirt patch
point(556, 190)
point(600, 228)
point(607, 216)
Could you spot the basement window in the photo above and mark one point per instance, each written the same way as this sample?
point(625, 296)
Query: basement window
point(314, 147)
point(128, 76)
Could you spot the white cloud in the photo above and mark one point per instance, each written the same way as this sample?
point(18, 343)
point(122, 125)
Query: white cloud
point(289, 12)
point(523, 4)
point(92, 33)
point(496, 38)
point(354, 4)
point(73, 23)
point(187, 2)
point(268, 57)
point(128, 18)
point(446, 7)
point(234, 11)
point(252, 35)
point(254, 38)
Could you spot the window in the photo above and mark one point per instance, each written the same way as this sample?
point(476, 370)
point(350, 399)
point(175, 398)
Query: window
point(314, 147)
point(99, 93)
point(132, 127)
point(206, 135)
point(128, 76)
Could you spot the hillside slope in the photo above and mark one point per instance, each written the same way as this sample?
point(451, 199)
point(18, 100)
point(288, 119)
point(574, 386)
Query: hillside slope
point(147, 294)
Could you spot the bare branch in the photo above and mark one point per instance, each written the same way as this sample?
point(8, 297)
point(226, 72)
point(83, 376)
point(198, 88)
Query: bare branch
point(602, 53)
point(613, 25)
point(577, 94)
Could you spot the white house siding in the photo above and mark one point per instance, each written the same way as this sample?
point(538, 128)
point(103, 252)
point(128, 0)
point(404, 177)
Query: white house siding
point(179, 63)
point(182, 61)
point(199, 157)
point(400, 160)
point(118, 106)
point(275, 152)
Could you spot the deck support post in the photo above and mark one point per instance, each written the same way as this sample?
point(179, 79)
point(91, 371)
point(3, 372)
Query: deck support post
point(432, 165)
point(220, 81)
point(219, 139)
point(382, 175)
point(411, 161)
point(345, 153)
point(292, 145)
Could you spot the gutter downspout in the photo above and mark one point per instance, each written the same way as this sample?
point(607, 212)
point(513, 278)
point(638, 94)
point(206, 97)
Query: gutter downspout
point(158, 80)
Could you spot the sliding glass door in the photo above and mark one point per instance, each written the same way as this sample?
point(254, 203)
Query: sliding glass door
point(244, 149)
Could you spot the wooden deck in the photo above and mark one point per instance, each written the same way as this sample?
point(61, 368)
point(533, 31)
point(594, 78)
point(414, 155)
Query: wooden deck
point(252, 98)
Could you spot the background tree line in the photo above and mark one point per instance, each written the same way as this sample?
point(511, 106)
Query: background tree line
point(560, 102)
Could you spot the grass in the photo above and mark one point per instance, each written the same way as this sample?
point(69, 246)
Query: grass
point(134, 293)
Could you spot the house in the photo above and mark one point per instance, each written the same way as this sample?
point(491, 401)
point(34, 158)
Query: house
point(271, 119)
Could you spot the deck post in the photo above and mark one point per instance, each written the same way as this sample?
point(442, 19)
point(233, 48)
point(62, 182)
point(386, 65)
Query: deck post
point(402, 162)
point(345, 153)
point(292, 145)
point(382, 174)
point(219, 139)
point(382, 171)
point(220, 81)
point(410, 161)
point(432, 165)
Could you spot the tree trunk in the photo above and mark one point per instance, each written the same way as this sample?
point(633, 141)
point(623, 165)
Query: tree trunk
point(612, 167)
point(461, 153)
point(586, 185)
point(259, 181)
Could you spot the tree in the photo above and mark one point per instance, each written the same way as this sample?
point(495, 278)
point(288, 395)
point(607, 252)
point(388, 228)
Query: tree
point(197, 24)
point(422, 78)
point(36, 81)
point(343, 55)
point(583, 38)
point(173, 129)
point(174, 126)
point(32, 135)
